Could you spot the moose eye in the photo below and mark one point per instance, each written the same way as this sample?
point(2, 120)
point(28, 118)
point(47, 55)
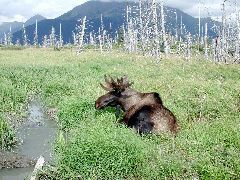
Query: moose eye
point(117, 92)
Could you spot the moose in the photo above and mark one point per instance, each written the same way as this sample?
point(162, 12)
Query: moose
point(144, 112)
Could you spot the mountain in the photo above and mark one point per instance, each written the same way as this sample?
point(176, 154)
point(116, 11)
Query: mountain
point(33, 19)
point(113, 12)
point(5, 27)
point(94, 9)
point(16, 26)
point(190, 24)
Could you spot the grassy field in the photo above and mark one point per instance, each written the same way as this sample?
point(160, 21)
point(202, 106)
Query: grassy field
point(205, 97)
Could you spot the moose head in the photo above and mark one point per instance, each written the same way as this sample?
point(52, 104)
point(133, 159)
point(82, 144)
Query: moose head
point(117, 92)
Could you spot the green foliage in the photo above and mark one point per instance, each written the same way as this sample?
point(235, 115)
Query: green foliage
point(73, 111)
point(11, 47)
point(102, 151)
point(204, 97)
point(198, 47)
point(7, 135)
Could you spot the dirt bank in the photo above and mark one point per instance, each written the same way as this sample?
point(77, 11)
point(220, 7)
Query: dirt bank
point(14, 160)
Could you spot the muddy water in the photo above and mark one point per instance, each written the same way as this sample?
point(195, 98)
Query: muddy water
point(36, 136)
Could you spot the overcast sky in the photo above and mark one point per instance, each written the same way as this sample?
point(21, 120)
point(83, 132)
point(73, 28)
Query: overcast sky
point(21, 10)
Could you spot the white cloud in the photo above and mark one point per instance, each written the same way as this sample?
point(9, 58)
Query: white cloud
point(16, 17)
point(208, 7)
point(55, 8)
point(11, 10)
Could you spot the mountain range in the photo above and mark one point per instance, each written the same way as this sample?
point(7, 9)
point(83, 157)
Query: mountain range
point(16, 26)
point(112, 12)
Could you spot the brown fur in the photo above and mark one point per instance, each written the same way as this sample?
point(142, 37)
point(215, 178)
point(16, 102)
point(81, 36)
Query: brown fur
point(143, 111)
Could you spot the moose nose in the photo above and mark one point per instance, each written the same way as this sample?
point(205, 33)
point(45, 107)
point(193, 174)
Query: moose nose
point(97, 105)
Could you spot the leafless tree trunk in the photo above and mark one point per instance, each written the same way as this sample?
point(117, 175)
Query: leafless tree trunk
point(45, 41)
point(206, 41)
point(189, 43)
point(100, 41)
point(9, 37)
point(237, 44)
point(176, 26)
point(199, 24)
point(35, 41)
point(60, 36)
point(25, 40)
point(52, 37)
point(81, 35)
point(223, 35)
point(163, 30)
point(141, 31)
point(216, 44)
point(74, 39)
point(5, 39)
point(155, 29)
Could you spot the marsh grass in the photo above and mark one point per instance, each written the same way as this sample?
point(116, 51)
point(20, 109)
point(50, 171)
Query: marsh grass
point(7, 135)
point(204, 97)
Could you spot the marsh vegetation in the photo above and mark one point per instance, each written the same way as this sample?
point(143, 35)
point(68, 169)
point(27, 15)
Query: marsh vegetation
point(204, 97)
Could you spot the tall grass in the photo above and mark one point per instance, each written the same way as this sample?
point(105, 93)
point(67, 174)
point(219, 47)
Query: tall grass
point(7, 136)
point(204, 96)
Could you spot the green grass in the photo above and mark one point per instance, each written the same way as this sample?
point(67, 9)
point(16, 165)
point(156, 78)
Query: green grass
point(7, 135)
point(204, 96)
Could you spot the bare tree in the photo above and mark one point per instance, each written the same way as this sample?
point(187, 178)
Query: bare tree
point(155, 29)
point(60, 35)
point(5, 41)
point(52, 37)
point(199, 24)
point(45, 43)
point(9, 37)
point(80, 35)
point(35, 40)
point(24, 35)
point(206, 41)
point(237, 44)
point(166, 50)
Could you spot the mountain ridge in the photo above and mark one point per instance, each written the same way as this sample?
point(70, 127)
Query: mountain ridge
point(16, 26)
point(113, 13)
point(33, 19)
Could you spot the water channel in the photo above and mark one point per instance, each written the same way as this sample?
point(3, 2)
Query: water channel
point(37, 136)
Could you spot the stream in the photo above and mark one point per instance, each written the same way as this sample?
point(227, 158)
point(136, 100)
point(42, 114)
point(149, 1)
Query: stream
point(36, 138)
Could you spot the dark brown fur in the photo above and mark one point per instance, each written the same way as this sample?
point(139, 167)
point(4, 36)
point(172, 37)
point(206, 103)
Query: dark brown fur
point(144, 112)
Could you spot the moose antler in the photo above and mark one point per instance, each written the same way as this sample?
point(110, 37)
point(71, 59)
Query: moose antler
point(119, 83)
point(108, 85)
point(125, 82)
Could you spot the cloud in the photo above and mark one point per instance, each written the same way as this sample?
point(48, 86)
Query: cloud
point(55, 8)
point(191, 7)
point(12, 10)
point(16, 17)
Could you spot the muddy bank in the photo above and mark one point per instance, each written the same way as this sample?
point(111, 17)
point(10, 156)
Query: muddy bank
point(14, 160)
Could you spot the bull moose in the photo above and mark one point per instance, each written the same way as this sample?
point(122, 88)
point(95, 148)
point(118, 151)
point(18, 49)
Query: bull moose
point(144, 112)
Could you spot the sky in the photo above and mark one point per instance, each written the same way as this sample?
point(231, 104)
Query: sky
point(21, 10)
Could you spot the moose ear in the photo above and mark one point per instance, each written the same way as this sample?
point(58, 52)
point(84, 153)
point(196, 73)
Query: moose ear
point(157, 98)
point(106, 80)
point(105, 88)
